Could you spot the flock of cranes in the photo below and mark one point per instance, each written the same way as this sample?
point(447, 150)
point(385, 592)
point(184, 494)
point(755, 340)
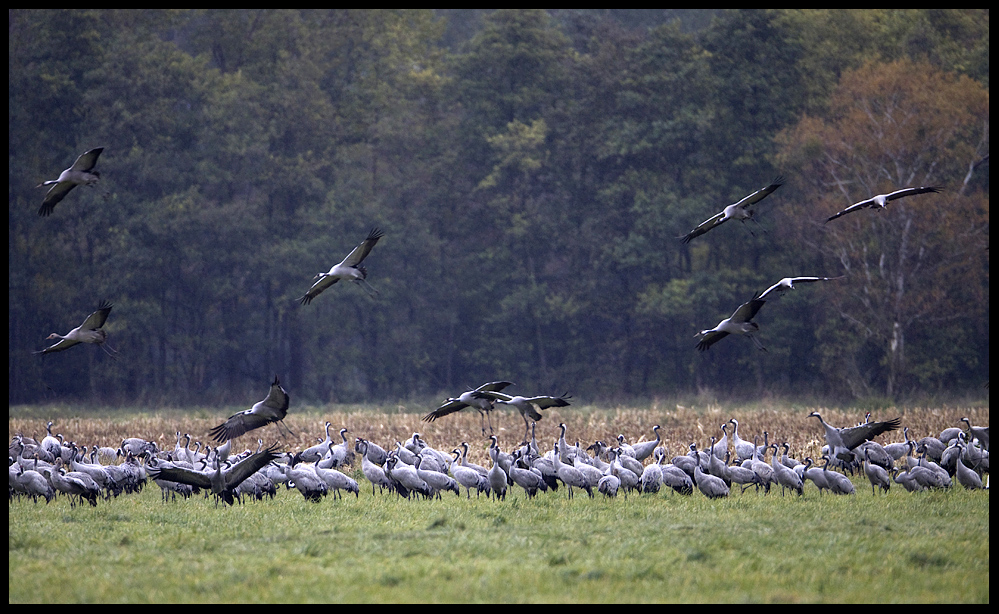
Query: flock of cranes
point(413, 469)
point(83, 172)
point(741, 322)
point(39, 470)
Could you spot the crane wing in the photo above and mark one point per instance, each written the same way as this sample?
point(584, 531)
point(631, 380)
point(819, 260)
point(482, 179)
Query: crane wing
point(87, 161)
point(710, 338)
point(182, 475)
point(277, 399)
point(760, 194)
point(777, 287)
point(237, 425)
point(788, 282)
point(62, 344)
point(272, 409)
point(746, 202)
point(250, 465)
point(856, 435)
point(703, 227)
point(494, 386)
point(854, 207)
point(324, 281)
point(493, 394)
point(54, 196)
point(912, 192)
point(748, 310)
point(97, 318)
point(544, 402)
point(449, 407)
point(359, 253)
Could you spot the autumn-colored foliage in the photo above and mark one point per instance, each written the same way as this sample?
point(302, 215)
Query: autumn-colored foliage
point(919, 266)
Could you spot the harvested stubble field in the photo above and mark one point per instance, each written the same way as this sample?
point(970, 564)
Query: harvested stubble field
point(900, 547)
point(681, 426)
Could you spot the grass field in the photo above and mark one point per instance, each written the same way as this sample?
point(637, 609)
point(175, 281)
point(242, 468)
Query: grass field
point(898, 548)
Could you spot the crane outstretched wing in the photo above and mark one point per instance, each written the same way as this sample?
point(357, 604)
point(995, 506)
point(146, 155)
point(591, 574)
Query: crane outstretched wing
point(856, 435)
point(359, 253)
point(272, 409)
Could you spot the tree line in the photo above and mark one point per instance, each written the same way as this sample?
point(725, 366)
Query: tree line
point(532, 172)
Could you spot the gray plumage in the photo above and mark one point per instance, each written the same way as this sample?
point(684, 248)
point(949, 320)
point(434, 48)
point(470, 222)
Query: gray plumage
point(876, 474)
point(91, 331)
point(468, 477)
point(880, 201)
point(482, 404)
point(407, 477)
point(644, 449)
point(570, 476)
point(349, 269)
point(527, 406)
point(842, 442)
point(741, 210)
point(981, 433)
point(221, 481)
point(273, 408)
point(497, 476)
point(739, 323)
point(436, 480)
point(710, 486)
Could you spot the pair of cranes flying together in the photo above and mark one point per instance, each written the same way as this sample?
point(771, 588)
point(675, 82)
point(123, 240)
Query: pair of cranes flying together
point(484, 398)
point(741, 322)
point(744, 209)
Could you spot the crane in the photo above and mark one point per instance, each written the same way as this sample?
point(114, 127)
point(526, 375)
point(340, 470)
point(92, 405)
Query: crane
point(739, 323)
point(483, 405)
point(222, 482)
point(273, 408)
point(741, 210)
point(91, 331)
point(348, 269)
point(81, 173)
point(527, 406)
point(881, 201)
point(787, 284)
point(841, 442)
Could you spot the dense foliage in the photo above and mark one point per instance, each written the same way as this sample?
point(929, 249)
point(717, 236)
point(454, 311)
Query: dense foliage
point(532, 171)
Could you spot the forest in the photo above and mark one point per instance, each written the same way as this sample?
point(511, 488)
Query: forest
point(533, 173)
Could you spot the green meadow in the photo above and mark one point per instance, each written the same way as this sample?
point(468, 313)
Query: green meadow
point(900, 548)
